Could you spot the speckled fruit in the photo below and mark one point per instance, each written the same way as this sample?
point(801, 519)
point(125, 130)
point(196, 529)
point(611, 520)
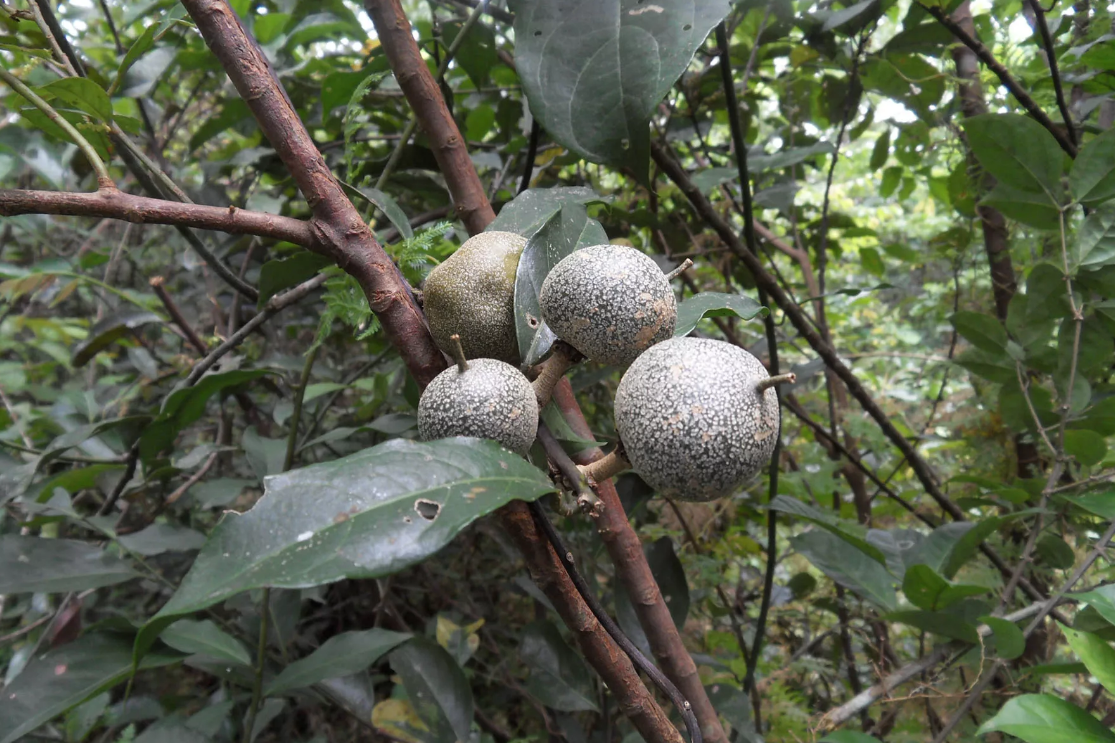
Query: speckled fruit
point(489, 400)
point(473, 294)
point(692, 422)
point(610, 302)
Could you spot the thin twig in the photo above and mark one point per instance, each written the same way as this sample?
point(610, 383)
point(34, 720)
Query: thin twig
point(296, 412)
point(1051, 59)
point(532, 152)
point(176, 315)
point(261, 659)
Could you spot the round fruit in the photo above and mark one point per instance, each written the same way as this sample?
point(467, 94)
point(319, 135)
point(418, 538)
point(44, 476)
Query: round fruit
point(696, 418)
point(472, 294)
point(610, 302)
point(488, 399)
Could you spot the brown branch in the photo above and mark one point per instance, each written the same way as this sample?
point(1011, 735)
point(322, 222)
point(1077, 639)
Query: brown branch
point(336, 223)
point(433, 115)
point(142, 210)
point(598, 647)
point(1055, 73)
point(176, 315)
point(626, 551)
point(1004, 76)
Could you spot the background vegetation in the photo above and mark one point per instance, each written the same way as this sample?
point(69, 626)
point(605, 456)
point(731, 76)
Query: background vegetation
point(925, 208)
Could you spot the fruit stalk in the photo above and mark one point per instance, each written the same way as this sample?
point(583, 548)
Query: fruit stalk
point(552, 370)
point(611, 465)
point(685, 266)
point(458, 353)
point(766, 384)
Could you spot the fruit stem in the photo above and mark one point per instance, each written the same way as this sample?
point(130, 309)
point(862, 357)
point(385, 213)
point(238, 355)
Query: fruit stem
point(552, 370)
point(606, 468)
point(769, 382)
point(459, 353)
point(685, 266)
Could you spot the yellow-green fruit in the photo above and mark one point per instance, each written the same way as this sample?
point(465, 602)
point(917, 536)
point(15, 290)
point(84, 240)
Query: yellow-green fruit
point(472, 294)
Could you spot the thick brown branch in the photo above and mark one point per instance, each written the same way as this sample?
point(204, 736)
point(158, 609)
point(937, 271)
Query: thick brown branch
point(337, 225)
point(1004, 76)
point(433, 115)
point(626, 551)
point(142, 210)
point(598, 647)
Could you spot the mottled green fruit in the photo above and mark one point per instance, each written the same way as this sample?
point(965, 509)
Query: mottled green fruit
point(489, 400)
point(472, 294)
point(610, 302)
point(694, 421)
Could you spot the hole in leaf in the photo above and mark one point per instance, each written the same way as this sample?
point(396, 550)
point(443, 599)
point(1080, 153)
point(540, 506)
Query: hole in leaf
point(537, 33)
point(427, 509)
point(687, 26)
point(532, 321)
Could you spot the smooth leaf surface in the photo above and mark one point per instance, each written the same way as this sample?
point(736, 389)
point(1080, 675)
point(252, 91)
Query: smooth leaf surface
point(938, 623)
point(848, 566)
point(436, 685)
point(593, 70)
point(558, 676)
point(340, 655)
point(63, 678)
point(363, 516)
point(1010, 643)
point(715, 304)
point(205, 637)
point(109, 330)
point(527, 212)
point(1094, 246)
point(1018, 151)
point(1096, 653)
point(982, 331)
point(1092, 177)
point(1041, 718)
point(850, 532)
point(38, 565)
point(565, 231)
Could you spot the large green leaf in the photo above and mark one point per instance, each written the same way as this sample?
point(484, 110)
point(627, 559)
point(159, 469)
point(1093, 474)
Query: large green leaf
point(982, 331)
point(82, 94)
point(40, 565)
point(1041, 718)
point(558, 677)
point(436, 686)
point(205, 637)
point(108, 330)
point(527, 212)
point(340, 655)
point(594, 70)
point(565, 231)
point(851, 533)
point(366, 515)
point(848, 566)
point(1101, 599)
point(1092, 177)
point(65, 677)
point(715, 304)
point(941, 623)
point(1019, 152)
point(925, 589)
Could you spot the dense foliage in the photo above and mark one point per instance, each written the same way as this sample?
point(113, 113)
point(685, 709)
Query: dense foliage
point(218, 523)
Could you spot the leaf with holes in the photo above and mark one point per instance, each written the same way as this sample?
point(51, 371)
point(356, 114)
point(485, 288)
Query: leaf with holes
point(594, 70)
point(366, 515)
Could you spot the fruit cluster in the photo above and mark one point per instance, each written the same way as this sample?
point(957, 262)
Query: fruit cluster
point(696, 418)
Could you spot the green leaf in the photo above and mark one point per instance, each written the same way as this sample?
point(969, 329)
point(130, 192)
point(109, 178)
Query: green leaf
point(1094, 246)
point(848, 566)
point(851, 533)
point(138, 48)
point(925, 589)
point(848, 736)
point(1092, 177)
point(82, 93)
point(711, 178)
point(527, 212)
point(786, 158)
point(872, 262)
point(1096, 654)
point(186, 404)
point(387, 205)
point(436, 686)
point(564, 232)
point(1028, 207)
point(593, 71)
point(205, 637)
point(366, 515)
point(907, 78)
point(66, 676)
point(558, 677)
point(966, 546)
point(162, 537)
point(941, 623)
point(982, 331)
point(1101, 599)
point(1041, 718)
point(1019, 152)
point(340, 655)
point(109, 329)
point(1088, 447)
point(283, 273)
point(1101, 504)
point(715, 304)
point(1009, 641)
point(40, 565)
